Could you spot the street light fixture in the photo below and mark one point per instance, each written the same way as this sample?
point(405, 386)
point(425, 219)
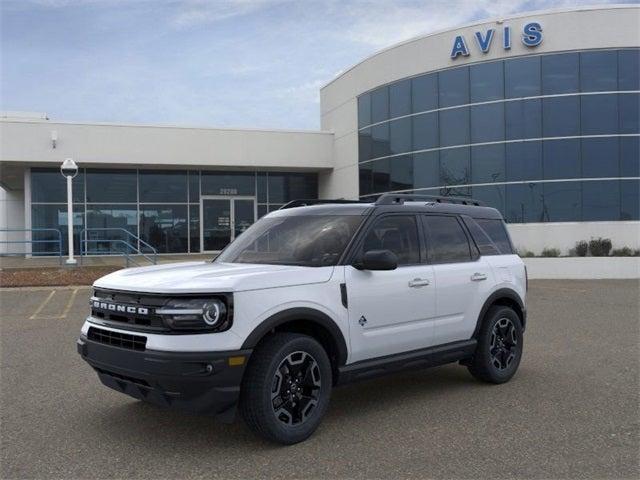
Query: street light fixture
point(69, 169)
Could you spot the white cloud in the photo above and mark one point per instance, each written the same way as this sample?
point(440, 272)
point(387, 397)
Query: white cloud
point(199, 12)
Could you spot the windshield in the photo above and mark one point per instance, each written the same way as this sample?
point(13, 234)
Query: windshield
point(310, 241)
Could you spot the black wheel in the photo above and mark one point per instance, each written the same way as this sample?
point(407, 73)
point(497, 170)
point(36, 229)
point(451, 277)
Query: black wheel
point(286, 388)
point(500, 343)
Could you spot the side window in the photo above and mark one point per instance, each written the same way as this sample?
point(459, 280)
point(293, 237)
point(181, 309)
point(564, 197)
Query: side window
point(483, 241)
point(498, 233)
point(446, 240)
point(398, 234)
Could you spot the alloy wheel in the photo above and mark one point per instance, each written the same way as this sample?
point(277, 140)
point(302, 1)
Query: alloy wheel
point(504, 344)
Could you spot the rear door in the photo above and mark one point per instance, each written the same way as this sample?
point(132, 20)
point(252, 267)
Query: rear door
point(463, 279)
point(391, 311)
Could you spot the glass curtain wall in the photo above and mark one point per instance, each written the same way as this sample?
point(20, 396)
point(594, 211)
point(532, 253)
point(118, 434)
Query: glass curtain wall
point(161, 207)
point(543, 138)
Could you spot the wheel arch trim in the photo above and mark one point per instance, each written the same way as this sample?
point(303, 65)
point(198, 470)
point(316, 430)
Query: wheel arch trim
point(305, 314)
point(495, 297)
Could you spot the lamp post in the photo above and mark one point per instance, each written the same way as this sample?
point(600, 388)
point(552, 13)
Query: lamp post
point(69, 169)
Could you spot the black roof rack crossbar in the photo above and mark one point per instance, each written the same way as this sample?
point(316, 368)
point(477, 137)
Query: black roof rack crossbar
point(400, 198)
point(306, 203)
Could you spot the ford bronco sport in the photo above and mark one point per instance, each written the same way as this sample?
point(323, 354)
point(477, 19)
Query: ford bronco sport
point(313, 295)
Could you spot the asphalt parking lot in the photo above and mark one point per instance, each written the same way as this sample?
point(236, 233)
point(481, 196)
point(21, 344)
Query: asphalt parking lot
point(572, 411)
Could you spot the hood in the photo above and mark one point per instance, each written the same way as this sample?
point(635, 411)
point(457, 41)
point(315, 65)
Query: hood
point(207, 277)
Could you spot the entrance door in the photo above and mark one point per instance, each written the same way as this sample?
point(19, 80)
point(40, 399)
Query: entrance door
point(223, 219)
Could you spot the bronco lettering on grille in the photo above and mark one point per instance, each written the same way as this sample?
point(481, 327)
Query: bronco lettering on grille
point(113, 307)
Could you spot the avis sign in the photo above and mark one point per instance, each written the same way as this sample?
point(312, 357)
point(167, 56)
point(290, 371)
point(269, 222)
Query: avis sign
point(531, 37)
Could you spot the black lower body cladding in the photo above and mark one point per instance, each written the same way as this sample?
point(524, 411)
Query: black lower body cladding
point(198, 382)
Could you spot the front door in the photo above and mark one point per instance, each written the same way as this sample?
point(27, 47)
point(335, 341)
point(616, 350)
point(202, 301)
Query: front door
point(223, 219)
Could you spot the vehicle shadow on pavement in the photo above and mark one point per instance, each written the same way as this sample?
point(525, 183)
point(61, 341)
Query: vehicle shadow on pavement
point(356, 404)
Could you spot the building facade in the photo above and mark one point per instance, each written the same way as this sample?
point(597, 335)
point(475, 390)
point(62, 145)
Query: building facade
point(536, 115)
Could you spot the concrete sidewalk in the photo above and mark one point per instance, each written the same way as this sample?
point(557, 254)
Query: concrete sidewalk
point(94, 261)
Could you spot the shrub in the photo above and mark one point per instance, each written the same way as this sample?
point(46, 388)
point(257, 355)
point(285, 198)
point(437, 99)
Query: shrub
point(524, 253)
point(623, 252)
point(550, 252)
point(581, 248)
point(600, 247)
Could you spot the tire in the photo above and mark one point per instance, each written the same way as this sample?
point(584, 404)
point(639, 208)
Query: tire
point(500, 343)
point(297, 370)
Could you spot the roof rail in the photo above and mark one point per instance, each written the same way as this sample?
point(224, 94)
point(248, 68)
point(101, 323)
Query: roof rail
point(400, 198)
point(306, 203)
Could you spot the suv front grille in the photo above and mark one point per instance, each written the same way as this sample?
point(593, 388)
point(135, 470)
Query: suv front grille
point(117, 339)
point(138, 309)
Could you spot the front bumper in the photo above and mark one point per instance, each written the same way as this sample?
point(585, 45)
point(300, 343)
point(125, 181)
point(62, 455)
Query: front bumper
point(198, 382)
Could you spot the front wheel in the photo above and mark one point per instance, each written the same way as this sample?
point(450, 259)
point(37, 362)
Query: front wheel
point(500, 343)
point(286, 389)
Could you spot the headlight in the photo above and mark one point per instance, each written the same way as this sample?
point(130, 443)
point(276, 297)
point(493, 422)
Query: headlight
point(196, 314)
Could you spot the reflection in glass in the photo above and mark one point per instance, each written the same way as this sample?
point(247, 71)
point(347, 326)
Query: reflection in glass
point(630, 156)
point(600, 201)
point(523, 161)
point(424, 92)
point(629, 69)
point(381, 175)
point(54, 216)
point(366, 178)
point(523, 119)
point(454, 166)
point(163, 186)
point(426, 169)
point(630, 200)
point(231, 183)
point(115, 219)
point(487, 81)
point(600, 157)
point(112, 186)
point(599, 71)
point(487, 123)
point(453, 87)
point(561, 201)
point(216, 224)
point(599, 114)
point(524, 203)
point(49, 186)
point(400, 135)
point(561, 159)
point(454, 127)
point(629, 113)
point(364, 110)
point(560, 73)
point(402, 172)
point(380, 105)
point(487, 164)
point(491, 195)
point(365, 145)
point(425, 131)
point(194, 186)
point(380, 140)
point(165, 227)
point(522, 77)
point(400, 98)
point(561, 116)
point(194, 228)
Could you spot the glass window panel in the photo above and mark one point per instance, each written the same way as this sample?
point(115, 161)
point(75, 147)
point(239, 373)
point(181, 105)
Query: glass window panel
point(380, 141)
point(365, 145)
point(600, 157)
point(561, 116)
point(455, 191)
point(112, 186)
point(49, 186)
point(561, 201)
point(453, 87)
point(454, 166)
point(487, 123)
point(54, 217)
point(487, 81)
point(381, 175)
point(629, 113)
point(523, 161)
point(114, 219)
point(630, 156)
point(426, 170)
point(524, 203)
point(284, 187)
point(491, 195)
point(262, 210)
point(400, 98)
point(274, 207)
point(599, 71)
point(425, 131)
point(599, 114)
point(398, 234)
point(194, 228)
point(424, 92)
point(447, 241)
point(163, 186)
point(194, 186)
point(454, 127)
point(261, 186)
point(560, 73)
point(630, 200)
point(629, 70)
point(364, 110)
point(402, 173)
point(523, 119)
point(561, 159)
point(487, 164)
point(165, 227)
point(219, 183)
point(400, 135)
point(600, 201)
point(522, 77)
point(380, 105)
point(497, 232)
point(366, 178)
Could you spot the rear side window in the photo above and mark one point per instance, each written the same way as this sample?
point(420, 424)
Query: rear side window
point(397, 233)
point(447, 242)
point(497, 233)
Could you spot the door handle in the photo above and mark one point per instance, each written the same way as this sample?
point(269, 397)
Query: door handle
point(419, 282)
point(477, 277)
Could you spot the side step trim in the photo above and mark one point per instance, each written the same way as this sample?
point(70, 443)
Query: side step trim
point(423, 358)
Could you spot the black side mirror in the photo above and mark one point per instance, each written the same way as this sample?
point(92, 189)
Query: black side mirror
point(378, 260)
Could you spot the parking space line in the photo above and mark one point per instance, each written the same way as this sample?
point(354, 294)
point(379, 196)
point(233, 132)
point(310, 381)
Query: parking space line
point(69, 304)
point(42, 305)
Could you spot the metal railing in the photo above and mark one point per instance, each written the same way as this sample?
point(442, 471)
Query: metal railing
point(57, 241)
point(132, 246)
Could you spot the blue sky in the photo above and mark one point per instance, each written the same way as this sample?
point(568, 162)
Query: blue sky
point(226, 63)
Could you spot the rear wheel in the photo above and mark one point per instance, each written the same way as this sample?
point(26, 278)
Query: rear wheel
point(500, 343)
point(286, 389)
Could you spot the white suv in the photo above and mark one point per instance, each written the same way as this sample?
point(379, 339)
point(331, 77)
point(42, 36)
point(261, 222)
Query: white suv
point(310, 297)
